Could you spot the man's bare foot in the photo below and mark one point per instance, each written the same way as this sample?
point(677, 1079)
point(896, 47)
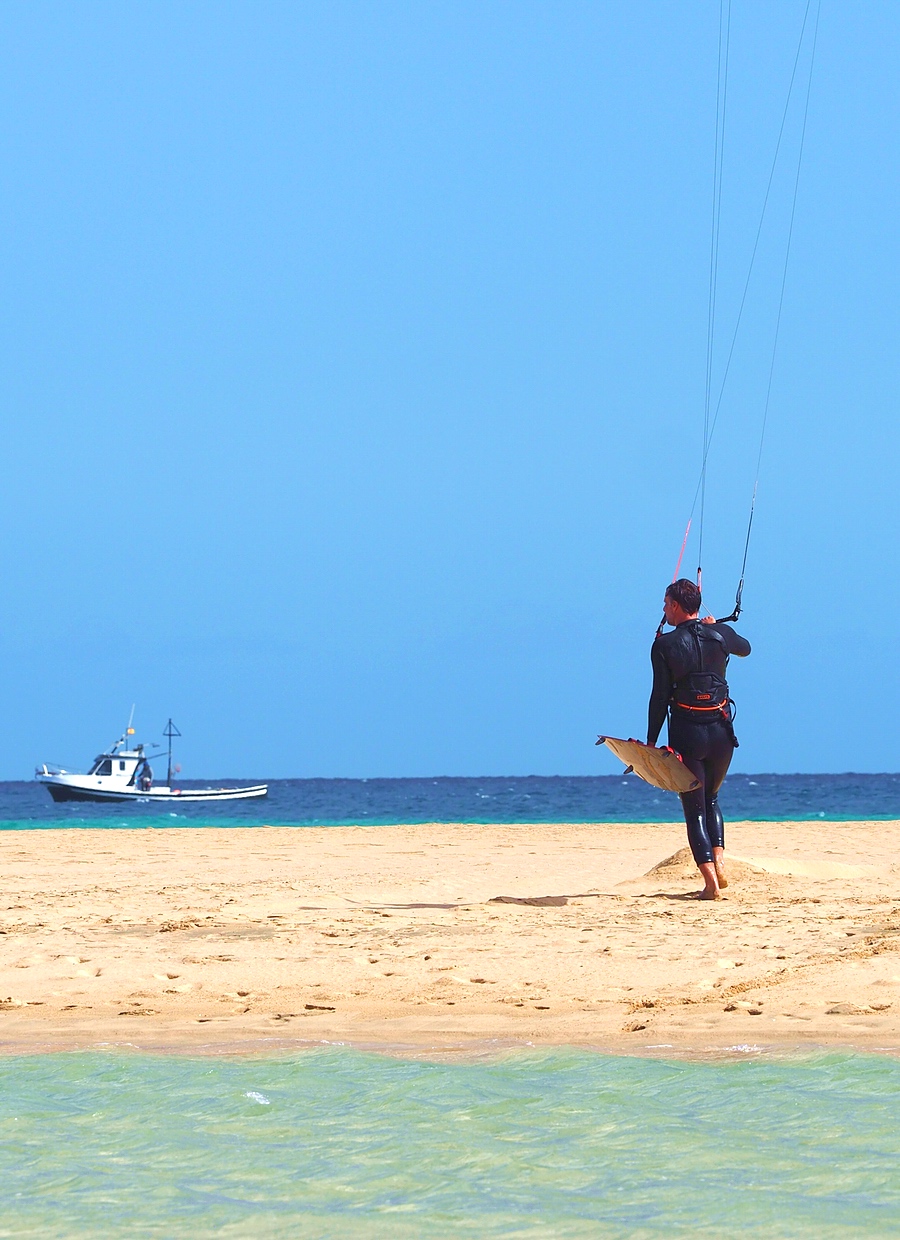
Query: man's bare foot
point(710, 878)
point(719, 863)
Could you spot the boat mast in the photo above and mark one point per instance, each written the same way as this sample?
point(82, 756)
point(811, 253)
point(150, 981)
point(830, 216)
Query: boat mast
point(170, 731)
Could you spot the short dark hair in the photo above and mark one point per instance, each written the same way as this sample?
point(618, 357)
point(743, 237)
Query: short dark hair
point(685, 594)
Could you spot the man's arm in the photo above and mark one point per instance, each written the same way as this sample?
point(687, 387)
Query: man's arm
point(660, 694)
point(736, 644)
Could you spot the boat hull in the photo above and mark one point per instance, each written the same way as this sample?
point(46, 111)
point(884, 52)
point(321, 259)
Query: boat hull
point(61, 791)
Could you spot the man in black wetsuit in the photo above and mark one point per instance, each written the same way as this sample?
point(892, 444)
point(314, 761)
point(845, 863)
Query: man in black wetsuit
point(689, 683)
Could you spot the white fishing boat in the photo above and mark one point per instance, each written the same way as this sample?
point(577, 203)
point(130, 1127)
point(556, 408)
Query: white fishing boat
point(123, 773)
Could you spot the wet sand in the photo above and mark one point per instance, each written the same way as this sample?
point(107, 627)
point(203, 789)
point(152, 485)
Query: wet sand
point(445, 936)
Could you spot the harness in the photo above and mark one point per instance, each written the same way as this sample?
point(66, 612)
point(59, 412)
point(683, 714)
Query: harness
point(702, 694)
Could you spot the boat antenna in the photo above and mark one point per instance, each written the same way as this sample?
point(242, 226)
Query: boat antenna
point(170, 731)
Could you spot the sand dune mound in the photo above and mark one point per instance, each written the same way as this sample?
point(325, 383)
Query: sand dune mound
point(678, 875)
point(681, 865)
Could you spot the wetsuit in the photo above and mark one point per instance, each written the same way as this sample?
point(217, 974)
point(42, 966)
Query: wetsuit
point(688, 671)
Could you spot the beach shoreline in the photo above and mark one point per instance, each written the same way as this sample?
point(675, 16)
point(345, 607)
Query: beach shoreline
point(450, 939)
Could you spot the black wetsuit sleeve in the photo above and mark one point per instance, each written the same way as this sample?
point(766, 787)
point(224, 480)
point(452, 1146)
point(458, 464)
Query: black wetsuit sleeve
point(659, 695)
point(736, 644)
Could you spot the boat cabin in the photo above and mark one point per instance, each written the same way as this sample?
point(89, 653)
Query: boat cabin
point(127, 768)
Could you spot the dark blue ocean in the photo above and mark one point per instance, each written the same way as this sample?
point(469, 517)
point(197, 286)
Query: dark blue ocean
point(531, 798)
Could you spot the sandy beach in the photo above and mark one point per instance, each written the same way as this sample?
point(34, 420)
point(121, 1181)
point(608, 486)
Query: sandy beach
point(445, 936)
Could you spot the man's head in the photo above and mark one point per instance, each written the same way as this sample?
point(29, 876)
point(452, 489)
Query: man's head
point(682, 601)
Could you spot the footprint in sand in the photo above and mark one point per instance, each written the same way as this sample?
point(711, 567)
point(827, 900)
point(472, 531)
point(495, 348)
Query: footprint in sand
point(855, 1009)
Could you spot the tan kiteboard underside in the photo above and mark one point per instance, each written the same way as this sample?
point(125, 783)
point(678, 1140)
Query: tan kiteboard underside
point(662, 768)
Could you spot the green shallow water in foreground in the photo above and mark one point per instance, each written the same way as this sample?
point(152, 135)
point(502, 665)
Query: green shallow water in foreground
point(334, 1143)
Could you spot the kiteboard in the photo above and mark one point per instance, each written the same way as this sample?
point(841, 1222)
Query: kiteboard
point(663, 768)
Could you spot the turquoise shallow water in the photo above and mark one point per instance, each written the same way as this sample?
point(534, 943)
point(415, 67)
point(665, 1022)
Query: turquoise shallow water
point(336, 1143)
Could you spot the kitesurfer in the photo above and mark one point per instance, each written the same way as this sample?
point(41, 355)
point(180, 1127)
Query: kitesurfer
point(689, 684)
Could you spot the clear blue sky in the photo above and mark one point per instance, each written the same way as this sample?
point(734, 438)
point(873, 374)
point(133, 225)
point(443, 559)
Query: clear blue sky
point(352, 379)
